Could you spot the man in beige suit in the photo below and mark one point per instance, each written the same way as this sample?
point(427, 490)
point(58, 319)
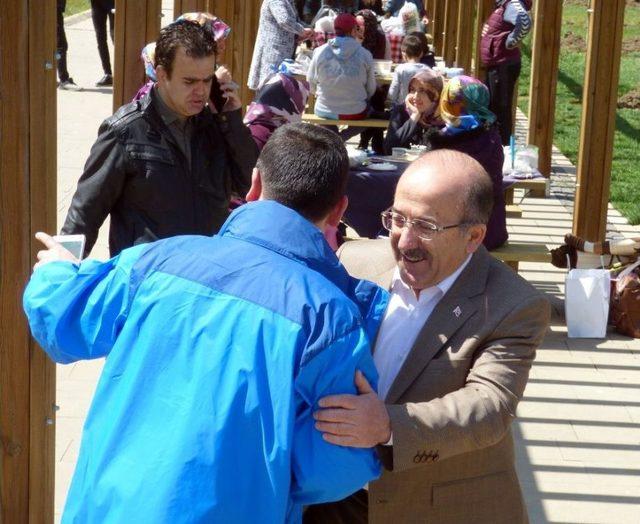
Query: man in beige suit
point(454, 354)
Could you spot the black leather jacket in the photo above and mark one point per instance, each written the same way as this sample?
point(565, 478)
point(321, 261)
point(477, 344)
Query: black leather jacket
point(137, 173)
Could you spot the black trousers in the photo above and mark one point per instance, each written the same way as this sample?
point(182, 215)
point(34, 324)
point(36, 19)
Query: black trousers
point(352, 510)
point(100, 12)
point(61, 46)
point(501, 81)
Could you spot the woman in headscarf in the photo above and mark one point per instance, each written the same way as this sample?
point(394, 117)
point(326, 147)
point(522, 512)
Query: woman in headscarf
point(217, 27)
point(280, 101)
point(470, 127)
point(418, 120)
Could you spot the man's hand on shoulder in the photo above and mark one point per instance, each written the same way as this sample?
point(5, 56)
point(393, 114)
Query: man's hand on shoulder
point(359, 421)
point(53, 252)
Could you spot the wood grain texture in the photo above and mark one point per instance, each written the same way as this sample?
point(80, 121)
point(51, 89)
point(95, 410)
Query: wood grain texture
point(464, 35)
point(136, 24)
point(598, 118)
point(27, 204)
point(450, 36)
point(547, 25)
point(484, 9)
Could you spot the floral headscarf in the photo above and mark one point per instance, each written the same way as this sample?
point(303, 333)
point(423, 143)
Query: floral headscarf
point(464, 105)
point(434, 82)
point(149, 59)
point(216, 27)
point(281, 100)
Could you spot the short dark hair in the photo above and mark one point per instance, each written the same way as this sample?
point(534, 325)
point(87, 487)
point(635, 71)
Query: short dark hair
point(305, 168)
point(196, 41)
point(412, 47)
point(423, 40)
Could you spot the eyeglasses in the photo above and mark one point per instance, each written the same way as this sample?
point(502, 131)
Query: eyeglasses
point(423, 228)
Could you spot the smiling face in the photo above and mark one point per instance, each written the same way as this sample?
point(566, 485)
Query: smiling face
point(186, 90)
point(423, 96)
point(432, 191)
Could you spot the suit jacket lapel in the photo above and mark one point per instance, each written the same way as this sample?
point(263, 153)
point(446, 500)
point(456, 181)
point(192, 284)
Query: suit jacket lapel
point(449, 315)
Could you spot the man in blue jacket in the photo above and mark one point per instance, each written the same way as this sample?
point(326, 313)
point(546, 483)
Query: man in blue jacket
point(218, 350)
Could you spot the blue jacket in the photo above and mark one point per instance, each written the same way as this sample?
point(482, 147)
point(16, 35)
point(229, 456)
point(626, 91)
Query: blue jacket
point(218, 350)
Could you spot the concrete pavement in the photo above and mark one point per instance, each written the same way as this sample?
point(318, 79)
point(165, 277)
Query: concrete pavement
point(578, 431)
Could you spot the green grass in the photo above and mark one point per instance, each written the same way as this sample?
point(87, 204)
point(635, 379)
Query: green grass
point(76, 6)
point(625, 176)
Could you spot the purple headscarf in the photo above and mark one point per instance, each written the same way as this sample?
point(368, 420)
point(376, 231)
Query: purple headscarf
point(281, 100)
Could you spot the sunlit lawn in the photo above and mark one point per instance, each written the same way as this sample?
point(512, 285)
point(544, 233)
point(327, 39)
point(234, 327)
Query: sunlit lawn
point(76, 6)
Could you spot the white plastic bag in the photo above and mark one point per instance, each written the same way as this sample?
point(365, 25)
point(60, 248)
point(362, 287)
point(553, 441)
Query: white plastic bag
point(586, 303)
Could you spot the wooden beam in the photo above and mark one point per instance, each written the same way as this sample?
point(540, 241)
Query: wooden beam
point(438, 25)
point(137, 23)
point(429, 11)
point(485, 8)
point(598, 118)
point(544, 77)
point(464, 43)
point(193, 6)
point(450, 37)
point(27, 204)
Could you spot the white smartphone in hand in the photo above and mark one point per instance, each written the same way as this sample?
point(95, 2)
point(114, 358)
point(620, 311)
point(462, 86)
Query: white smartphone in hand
point(72, 243)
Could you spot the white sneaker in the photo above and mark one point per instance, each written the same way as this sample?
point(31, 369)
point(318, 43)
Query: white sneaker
point(69, 85)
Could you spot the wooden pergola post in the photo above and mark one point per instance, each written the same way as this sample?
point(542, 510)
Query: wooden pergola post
point(191, 6)
point(485, 8)
point(544, 77)
point(27, 205)
point(438, 25)
point(464, 44)
point(450, 37)
point(429, 10)
point(137, 23)
point(599, 99)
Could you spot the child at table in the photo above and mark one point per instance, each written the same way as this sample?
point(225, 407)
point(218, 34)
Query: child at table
point(428, 56)
point(412, 52)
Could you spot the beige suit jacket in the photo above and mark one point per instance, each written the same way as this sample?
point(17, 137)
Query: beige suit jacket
point(452, 402)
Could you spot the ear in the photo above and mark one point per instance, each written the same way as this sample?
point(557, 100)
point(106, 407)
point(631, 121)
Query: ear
point(255, 191)
point(475, 236)
point(161, 74)
point(334, 217)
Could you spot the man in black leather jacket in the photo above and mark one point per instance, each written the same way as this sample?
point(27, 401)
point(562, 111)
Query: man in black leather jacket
point(167, 164)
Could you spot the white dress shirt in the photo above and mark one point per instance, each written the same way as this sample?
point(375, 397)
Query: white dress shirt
point(404, 318)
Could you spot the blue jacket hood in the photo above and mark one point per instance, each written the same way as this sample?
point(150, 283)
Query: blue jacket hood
point(344, 47)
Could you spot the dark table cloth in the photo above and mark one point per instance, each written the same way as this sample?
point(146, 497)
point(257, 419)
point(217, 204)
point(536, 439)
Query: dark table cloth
point(371, 192)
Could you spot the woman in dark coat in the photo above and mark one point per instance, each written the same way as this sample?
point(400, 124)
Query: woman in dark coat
point(417, 120)
point(470, 127)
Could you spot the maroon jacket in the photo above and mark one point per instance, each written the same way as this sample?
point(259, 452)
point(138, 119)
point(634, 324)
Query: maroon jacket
point(493, 49)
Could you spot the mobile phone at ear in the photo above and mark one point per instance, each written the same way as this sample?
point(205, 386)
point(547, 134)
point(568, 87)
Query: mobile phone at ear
point(72, 243)
point(216, 97)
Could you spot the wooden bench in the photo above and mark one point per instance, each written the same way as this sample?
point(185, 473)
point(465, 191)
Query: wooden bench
point(515, 251)
point(514, 211)
point(538, 186)
point(368, 122)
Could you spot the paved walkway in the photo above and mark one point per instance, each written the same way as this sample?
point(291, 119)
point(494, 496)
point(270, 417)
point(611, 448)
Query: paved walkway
point(578, 431)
